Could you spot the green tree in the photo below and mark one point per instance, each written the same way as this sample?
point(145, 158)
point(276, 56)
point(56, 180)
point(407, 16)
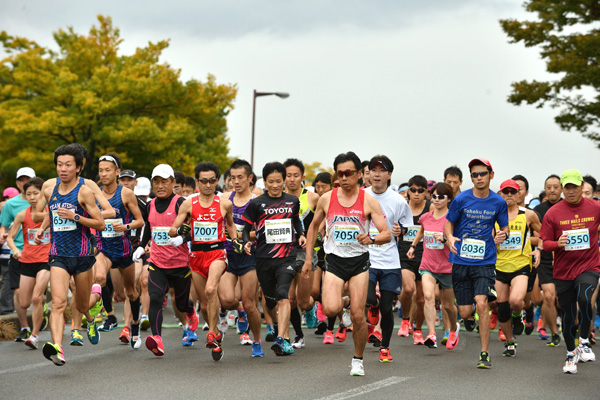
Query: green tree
point(87, 93)
point(567, 33)
point(311, 170)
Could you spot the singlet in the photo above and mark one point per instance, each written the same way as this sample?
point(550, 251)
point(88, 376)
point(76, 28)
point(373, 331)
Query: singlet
point(207, 222)
point(407, 239)
point(306, 213)
point(237, 213)
point(513, 253)
point(115, 244)
point(162, 254)
point(68, 238)
point(32, 252)
point(344, 224)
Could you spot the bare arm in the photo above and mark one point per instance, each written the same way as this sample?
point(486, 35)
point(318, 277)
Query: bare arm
point(311, 234)
point(107, 210)
point(87, 201)
point(448, 231)
point(374, 211)
point(12, 234)
point(131, 204)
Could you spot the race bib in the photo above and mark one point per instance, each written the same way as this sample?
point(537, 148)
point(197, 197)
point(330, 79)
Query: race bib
point(431, 242)
point(239, 228)
point(31, 237)
point(109, 231)
point(411, 233)
point(61, 225)
point(278, 230)
point(578, 239)
point(345, 235)
point(160, 235)
point(206, 231)
point(472, 248)
point(512, 242)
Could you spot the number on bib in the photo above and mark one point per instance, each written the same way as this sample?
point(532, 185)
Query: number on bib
point(160, 235)
point(205, 231)
point(578, 239)
point(431, 242)
point(473, 249)
point(345, 235)
point(31, 237)
point(512, 242)
point(411, 233)
point(109, 230)
point(61, 224)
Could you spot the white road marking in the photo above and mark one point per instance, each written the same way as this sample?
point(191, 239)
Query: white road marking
point(361, 390)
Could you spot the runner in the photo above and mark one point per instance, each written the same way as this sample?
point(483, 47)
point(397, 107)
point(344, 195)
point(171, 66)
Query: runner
point(570, 230)
point(347, 211)
point(453, 176)
point(469, 229)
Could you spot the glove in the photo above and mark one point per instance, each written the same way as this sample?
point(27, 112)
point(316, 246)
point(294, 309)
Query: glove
point(176, 241)
point(238, 247)
point(137, 254)
point(183, 229)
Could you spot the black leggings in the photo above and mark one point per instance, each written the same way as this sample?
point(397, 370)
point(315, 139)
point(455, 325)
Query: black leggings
point(275, 277)
point(158, 286)
point(386, 307)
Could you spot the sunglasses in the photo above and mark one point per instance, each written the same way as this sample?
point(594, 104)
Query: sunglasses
point(204, 181)
point(415, 190)
point(346, 173)
point(109, 159)
point(439, 196)
point(509, 191)
point(478, 174)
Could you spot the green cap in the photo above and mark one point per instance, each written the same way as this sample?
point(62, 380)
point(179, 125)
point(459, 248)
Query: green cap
point(571, 176)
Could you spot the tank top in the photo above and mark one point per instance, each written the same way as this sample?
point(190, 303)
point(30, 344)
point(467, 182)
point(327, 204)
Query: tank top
point(162, 254)
point(513, 253)
point(344, 224)
point(306, 213)
point(115, 244)
point(32, 252)
point(68, 238)
point(207, 222)
point(237, 213)
point(407, 239)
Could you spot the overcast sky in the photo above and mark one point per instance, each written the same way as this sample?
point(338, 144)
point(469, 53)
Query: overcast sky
point(424, 82)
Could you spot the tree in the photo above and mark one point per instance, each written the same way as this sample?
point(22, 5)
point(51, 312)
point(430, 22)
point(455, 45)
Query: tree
point(568, 35)
point(87, 93)
point(311, 170)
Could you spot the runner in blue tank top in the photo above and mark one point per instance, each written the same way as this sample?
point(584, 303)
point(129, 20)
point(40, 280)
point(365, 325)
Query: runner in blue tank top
point(72, 213)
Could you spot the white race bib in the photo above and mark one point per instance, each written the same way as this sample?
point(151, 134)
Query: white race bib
point(512, 242)
point(61, 225)
point(206, 231)
point(431, 242)
point(345, 235)
point(577, 239)
point(278, 230)
point(109, 231)
point(31, 237)
point(160, 235)
point(472, 248)
point(411, 233)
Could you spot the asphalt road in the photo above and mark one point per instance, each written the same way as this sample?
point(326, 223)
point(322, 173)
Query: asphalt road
point(112, 370)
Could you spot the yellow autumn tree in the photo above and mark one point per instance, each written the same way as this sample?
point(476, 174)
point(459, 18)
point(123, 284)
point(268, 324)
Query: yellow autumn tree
point(311, 170)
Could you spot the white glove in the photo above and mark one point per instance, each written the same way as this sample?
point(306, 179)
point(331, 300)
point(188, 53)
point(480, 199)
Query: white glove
point(176, 241)
point(137, 254)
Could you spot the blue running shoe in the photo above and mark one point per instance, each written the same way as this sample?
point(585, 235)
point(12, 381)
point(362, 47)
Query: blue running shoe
point(257, 350)
point(242, 322)
point(93, 332)
point(269, 337)
point(278, 346)
point(185, 341)
point(288, 349)
point(597, 321)
point(192, 336)
point(311, 318)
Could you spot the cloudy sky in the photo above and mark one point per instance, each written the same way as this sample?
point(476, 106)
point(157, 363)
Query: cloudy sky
point(424, 82)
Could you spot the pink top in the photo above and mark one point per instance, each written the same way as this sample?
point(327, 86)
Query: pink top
point(162, 254)
point(435, 253)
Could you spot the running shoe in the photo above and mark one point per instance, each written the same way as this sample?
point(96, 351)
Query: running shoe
point(469, 324)
point(136, 340)
point(277, 347)
point(76, 338)
point(54, 353)
point(493, 320)
point(217, 353)
point(484, 361)
point(185, 338)
point(270, 336)
point(193, 322)
point(32, 342)
point(125, 335)
point(597, 321)
point(109, 324)
point(96, 308)
point(585, 353)
point(257, 350)
point(245, 339)
point(328, 338)
point(145, 323)
point(373, 313)
point(321, 328)
point(501, 336)
point(231, 318)
point(242, 323)
point(403, 331)
point(223, 325)
point(192, 337)
point(418, 337)
point(510, 350)
point(212, 340)
point(311, 318)
point(357, 368)
point(384, 355)
point(517, 324)
point(346, 318)
point(299, 342)
point(321, 317)
point(23, 335)
point(542, 334)
point(341, 333)
point(445, 337)
point(375, 338)
point(453, 338)
point(571, 363)
point(205, 327)
point(45, 319)
point(93, 333)
point(528, 328)
point(288, 349)
point(430, 341)
point(554, 341)
point(155, 345)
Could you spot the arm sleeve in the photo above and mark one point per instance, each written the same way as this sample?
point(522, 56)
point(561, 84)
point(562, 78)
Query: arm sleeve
point(146, 236)
point(547, 235)
point(296, 220)
point(249, 217)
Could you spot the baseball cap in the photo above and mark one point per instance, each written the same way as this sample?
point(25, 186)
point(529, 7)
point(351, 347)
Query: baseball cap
point(127, 173)
point(482, 161)
point(143, 187)
point(509, 183)
point(571, 176)
point(10, 192)
point(164, 171)
point(382, 163)
point(26, 171)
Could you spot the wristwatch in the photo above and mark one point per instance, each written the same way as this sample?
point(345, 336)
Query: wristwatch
point(77, 217)
point(127, 227)
point(372, 240)
point(412, 246)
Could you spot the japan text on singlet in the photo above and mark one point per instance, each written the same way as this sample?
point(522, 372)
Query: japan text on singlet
point(207, 222)
point(344, 224)
point(115, 244)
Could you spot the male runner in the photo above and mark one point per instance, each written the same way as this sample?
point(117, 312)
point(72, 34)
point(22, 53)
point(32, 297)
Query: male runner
point(453, 176)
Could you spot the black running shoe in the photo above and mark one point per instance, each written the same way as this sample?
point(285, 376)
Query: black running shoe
point(23, 335)
point(484, 361)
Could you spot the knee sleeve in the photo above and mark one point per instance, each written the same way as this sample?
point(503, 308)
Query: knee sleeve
point(283, 291)
point(504, 311)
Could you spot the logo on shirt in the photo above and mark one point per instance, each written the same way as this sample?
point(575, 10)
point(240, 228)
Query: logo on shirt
point(355, 211)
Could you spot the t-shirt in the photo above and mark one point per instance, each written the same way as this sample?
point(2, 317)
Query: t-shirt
point(435, 253)
point(580, 222)
point(473, 220)
point(541, 210)
point(9, 212)
point(395, 209)
point(273, 217)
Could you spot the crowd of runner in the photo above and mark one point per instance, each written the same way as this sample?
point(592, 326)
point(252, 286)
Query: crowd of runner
point(280, 251)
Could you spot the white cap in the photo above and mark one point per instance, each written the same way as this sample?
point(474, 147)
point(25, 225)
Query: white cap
point(26, 171)
point(164, 171)
point(260, 184)
point(143, 187)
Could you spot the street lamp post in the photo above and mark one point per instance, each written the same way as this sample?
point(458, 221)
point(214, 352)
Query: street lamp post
point(281, 95)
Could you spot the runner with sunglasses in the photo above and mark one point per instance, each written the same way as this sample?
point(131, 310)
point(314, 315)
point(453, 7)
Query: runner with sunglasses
point(469, 231)
point(514, 264)
point(347, 211)
point(411, 279)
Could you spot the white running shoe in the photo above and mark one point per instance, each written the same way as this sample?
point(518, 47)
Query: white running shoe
point(135, 342)
point(223, 325)
point(571, 363)
point(346, 318)
point(245, 340)
point(357, 368)
point(585, 353)
point(32, 341)
point(298, 343)
point(231, 318)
